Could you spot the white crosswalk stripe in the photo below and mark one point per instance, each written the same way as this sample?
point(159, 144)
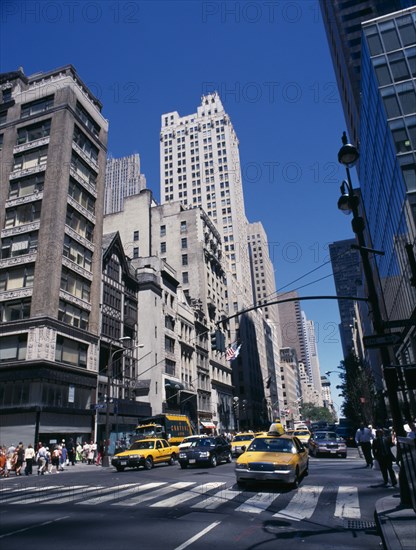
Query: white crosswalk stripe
point(258, 503)
point(188, 495)
point(347, 505)
point(302, 505)
point(116, 493)
point(154, 494)
point(216, 500)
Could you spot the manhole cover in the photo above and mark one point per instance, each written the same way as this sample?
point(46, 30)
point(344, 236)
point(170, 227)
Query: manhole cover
point(359, 524)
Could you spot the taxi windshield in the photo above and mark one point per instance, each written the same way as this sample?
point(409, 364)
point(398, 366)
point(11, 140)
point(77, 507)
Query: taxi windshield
point(271, 445)
point(142, 445)
point(301, 432)
point(243, 437)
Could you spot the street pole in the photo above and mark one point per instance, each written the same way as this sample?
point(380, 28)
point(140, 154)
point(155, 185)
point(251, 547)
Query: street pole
point(347, 156)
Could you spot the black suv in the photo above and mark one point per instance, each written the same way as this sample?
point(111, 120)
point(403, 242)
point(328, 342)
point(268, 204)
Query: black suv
point(207, 450)
point(347, 434)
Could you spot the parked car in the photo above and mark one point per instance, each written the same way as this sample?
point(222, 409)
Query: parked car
point(327, 443)
point(240, 442)
point(146, 453)
point(208, 450)
point(347, 434)
point(273, 458)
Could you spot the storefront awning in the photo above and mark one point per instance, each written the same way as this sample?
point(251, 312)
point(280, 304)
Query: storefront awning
point(208, 425)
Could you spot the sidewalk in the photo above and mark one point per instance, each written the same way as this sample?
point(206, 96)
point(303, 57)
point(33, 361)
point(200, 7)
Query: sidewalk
point(397, 525)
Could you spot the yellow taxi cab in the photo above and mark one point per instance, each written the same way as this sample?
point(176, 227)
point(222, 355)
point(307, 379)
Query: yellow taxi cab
point(146, 453)
point(303, 435)
point(280, 458)
point(240, 442)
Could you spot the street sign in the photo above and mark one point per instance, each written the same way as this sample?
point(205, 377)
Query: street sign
point(380, 340)
point(99, 406)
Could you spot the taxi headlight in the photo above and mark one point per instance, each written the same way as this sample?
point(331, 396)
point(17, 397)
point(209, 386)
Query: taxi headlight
point(282, 467)
point(241, 466)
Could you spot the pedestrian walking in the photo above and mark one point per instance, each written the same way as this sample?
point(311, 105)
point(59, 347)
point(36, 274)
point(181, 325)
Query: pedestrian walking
point(382, 445)
point(20, 458)
point(363, 439)
point(71, 451)
point(100, 453)
point(3, 463)
point(29, 457)
point(78, 455)
point(42, 459)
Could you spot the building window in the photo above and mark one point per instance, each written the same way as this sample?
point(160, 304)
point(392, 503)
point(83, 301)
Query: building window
point(73, 315)
point(13, 347)
point(136, 252)
point(37, 107)
point(184, 243)
point(26, 186)
point(71, 352)
point(15, 311)
point(18, 245)
point(183, 227)
point(77, 253)
point(85, 144)
point(185, 277)
point(75, 284)
point(30, 159)
point(184, 259)
point(169, 344)
point(12, 279)
point(162, 230)
point(135, 236)
point(163, 248)
point(87, 120)
point(33, 132)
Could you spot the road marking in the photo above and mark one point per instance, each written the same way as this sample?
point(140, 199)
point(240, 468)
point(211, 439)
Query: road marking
point(302, 505)
point(216, 500)
point(73, 498)
point(188, 495)
point(42, 498)
point(114, 493)
point(33, 527)
point(347, 505)
point(154, 494)
point(258, 503)
point(34, 494)
point(196, 537)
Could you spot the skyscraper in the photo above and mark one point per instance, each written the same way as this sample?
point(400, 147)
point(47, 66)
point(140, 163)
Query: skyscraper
point(122, 179)
point(346, 268)
point(51, 202)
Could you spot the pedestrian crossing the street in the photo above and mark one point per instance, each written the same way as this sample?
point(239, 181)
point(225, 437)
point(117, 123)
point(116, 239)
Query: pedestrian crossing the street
point(297, 505)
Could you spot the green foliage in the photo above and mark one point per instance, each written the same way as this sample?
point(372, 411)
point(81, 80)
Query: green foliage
point(358, 391)
point(311, 412)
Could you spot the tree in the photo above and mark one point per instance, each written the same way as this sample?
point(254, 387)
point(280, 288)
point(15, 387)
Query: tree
point(358, 391)
point(311, 412)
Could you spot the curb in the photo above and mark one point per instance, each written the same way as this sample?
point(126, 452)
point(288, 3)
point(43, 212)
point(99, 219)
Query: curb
point(396, 525)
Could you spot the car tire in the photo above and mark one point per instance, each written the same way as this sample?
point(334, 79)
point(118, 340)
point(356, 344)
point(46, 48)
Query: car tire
point(172, 460)
point(344, 456)
point(120, 468)
point(306, 472)
point(241, 483)
point(148, 463)
point(228, 458)
point(183, 465)
point(213, 461)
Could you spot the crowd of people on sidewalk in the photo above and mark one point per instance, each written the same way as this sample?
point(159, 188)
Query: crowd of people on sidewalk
point(18, 459)
point(376, 446)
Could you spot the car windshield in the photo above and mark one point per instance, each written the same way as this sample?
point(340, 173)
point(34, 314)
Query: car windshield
point(190, 439)
point(142, 445)
point(206, 442)
point(271, 445)
point(326, 435)
point(301, 432)
point(243, 437)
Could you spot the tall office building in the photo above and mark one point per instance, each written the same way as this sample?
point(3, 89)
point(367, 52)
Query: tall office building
point(342, 20)
point(346, 268)
point(51, 201)
point(387, 166)
point(122, 179)
point(200, 166)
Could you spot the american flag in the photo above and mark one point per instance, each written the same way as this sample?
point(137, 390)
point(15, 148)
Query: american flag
point(233, 351)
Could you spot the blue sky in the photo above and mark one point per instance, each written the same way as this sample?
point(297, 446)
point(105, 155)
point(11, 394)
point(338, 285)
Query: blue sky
point(271, 65)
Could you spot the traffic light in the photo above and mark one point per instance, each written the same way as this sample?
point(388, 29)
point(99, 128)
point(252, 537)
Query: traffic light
point(217, 341)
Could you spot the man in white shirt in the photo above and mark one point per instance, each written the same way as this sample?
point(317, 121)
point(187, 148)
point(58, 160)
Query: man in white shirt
point(363, 438)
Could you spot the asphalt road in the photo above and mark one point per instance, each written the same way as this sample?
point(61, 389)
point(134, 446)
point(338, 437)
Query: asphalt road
point(173, 509)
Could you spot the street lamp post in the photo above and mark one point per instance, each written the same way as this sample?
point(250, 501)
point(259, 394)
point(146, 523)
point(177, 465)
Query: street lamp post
point(106, 457)
point(348, 203)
